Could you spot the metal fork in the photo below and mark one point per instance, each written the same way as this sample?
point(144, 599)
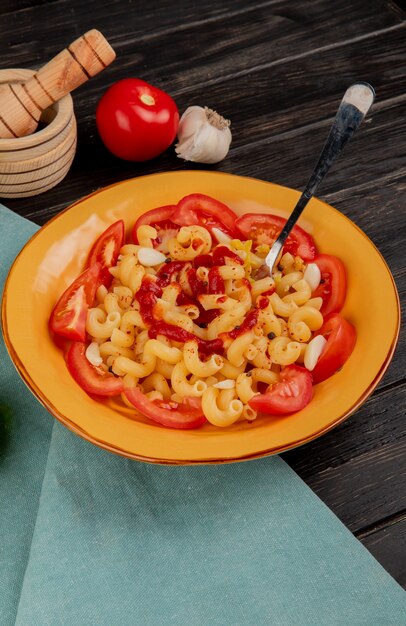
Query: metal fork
point(354, 106)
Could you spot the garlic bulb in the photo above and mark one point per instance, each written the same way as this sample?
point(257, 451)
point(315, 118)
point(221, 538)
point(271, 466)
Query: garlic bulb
point(204, 136)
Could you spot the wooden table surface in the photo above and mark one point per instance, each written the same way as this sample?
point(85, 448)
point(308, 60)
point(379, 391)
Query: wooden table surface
point(277, 69)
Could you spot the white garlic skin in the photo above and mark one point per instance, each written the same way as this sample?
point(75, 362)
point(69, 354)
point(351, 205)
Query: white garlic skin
point(204, 136)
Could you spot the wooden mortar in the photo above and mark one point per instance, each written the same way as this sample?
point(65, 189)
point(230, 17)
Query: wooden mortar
point(35, 163)
point(21, 104)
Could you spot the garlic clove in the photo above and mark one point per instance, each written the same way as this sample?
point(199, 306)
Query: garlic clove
point(228, 383)
point(93, 354)
point(220, 236)
point(312, 276)
point(313, 351)
point(190, 122)
point(206, 145)
point(150, 256)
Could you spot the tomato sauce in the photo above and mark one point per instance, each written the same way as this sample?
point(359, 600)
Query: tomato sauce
point(165, 273)
point(183, 299)
point(147, 295)
point(175, 333)
point(197, 285)
point(216, 282)
point(203, 260)
point(247, 324)
point(262, 302)
point(222, 252)
point(206, 317)
point(269, 292)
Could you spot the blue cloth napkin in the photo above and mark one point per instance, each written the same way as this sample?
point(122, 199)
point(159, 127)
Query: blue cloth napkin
point(89, 538)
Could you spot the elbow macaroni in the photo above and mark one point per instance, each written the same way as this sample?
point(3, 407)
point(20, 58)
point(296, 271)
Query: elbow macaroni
point(170, 370)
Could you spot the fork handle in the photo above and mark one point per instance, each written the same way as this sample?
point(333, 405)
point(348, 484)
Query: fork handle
point(354, 106)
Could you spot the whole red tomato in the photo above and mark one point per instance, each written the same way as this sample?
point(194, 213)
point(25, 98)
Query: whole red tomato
point(136, 121)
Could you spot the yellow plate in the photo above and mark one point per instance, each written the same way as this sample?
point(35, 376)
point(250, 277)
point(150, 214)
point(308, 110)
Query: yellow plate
point(57, 253)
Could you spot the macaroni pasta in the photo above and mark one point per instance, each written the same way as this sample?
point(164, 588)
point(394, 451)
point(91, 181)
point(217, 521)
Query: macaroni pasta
point(200, 326)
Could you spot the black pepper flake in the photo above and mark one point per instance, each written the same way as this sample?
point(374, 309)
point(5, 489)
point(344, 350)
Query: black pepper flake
point(322, 281)
point(237, 327)
point(203, 325)
point(271, 335)
point(280, 267)
point(167, 260)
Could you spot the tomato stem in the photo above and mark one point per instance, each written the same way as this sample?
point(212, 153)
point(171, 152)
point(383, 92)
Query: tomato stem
point(146, 98)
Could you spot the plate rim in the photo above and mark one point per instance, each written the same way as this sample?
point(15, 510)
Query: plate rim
point(63, 419)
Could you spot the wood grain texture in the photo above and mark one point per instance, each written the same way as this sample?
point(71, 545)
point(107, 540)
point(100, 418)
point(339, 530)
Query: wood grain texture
point(278, 70)
point(388, 545)
point(130, 23)
point(380, 419)
point(359, 499)
point(262, 142)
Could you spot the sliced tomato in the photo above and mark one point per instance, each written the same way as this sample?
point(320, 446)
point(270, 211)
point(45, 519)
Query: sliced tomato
point(291, 394)
point(333, 284)
point(106, 249)
point(187, 414)
point(161, 219)
point(203, 210)
point(68, 317)
point(93, 380)
point(341, 338)
point(264, 229)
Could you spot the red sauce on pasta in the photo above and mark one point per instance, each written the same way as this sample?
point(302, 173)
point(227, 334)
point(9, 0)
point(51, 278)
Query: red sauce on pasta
point(249, 322)
point(222, 252)
point(203, 260)
point(176, 333)
point(216, 282)
point(165, 273)
point(147, 295)
point(196, 285)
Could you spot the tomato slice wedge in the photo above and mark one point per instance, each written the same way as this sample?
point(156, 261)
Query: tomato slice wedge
point(193, 209)
point(264, 229)
point(333, 284)
point(68, 318)
point(187, 414)
point(203, 210)
point(161, 219)
point(106, 249)
point(341, 338)
point(291, 394)
point(93, 380)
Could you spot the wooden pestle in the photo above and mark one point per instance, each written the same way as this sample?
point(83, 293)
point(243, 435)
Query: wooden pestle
point(21, 104)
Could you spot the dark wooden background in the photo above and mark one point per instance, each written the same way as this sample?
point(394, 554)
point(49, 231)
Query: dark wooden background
point(277, 69)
